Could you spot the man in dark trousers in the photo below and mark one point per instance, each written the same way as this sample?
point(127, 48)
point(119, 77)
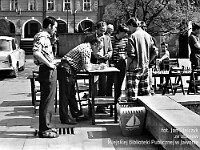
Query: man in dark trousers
point(44, 57)
point(75, 60)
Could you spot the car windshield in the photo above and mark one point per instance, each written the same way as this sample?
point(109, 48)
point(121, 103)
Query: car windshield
point(4, 45)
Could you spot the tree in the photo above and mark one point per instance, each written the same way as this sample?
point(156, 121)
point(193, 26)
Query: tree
point(161, 16)
point(4, 27)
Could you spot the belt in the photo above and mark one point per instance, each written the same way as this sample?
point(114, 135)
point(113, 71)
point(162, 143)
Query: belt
point(68, 68)
point(45, 66)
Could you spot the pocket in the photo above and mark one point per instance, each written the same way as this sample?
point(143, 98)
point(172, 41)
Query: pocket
point(197, 57)
point(46, 74)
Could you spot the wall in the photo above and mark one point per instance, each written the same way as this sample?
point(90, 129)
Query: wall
point(69, 41)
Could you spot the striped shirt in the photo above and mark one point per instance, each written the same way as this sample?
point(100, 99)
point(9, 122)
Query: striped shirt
point(79, 56)
point(42, 43)
point(119, 48)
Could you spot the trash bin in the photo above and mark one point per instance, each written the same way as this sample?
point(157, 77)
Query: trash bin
point(131, 119)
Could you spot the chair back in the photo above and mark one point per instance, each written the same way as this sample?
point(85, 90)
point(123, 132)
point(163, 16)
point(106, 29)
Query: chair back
point(167, 64)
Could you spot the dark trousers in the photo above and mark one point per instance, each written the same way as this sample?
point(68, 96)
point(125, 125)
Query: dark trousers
point(48, 80)
point(67, 94)
point(121, 65)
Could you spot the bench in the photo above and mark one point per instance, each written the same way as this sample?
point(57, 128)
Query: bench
point(173, 125)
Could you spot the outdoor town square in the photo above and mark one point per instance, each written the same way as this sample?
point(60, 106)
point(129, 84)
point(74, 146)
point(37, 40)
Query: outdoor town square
point(99, 74)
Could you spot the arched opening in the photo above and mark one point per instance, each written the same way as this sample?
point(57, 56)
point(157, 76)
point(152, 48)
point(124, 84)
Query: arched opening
point(12, 27)
point(62, 27)
point(31, 28)
point(86, 26)
point(6, 27)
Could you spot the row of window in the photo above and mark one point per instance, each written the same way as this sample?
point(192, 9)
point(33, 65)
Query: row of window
point(32, 5)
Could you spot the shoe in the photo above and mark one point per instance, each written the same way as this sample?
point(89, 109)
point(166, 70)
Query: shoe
point(69, 121)
point(77, 114)
point(101, 109)
point(48, 134)
point(82, 118)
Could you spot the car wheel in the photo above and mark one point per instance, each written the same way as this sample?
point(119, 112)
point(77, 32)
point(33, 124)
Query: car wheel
point(14, 73)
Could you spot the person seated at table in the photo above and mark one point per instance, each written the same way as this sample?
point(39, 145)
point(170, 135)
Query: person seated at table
point(164, 55)
point(75, 60)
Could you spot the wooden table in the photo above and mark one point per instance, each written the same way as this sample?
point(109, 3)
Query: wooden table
point(102, 100)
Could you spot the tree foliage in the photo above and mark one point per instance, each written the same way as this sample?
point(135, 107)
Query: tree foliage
point(161, 16)
point(4, 27)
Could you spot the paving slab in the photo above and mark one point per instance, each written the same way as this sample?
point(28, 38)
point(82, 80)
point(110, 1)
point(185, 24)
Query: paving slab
point(18, 123)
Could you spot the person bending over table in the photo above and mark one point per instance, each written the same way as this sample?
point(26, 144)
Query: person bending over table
point(75, 60)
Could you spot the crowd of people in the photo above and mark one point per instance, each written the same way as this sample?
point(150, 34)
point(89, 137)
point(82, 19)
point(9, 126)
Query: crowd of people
point(129, 48)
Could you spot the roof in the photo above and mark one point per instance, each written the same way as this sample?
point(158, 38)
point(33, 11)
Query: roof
point(6, 37)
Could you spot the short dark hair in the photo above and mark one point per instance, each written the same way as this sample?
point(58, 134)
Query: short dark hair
point(48, 20)
point(195, 27)
point(94, 40)
point(100, 24)
point(133, 21)
point(122, 28)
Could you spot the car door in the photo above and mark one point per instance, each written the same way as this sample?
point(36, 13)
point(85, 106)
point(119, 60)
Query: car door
point(14, 55)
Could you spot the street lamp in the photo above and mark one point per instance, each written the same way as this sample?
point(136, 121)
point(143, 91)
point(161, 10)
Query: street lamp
point(74, 19)
point(44, 9)
point(67, 17)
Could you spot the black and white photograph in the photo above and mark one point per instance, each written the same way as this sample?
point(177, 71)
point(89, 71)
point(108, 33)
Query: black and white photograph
point(100, 74)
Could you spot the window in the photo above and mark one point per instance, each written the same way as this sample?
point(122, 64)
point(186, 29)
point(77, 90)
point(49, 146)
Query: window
point(32, 5)
point(86, 5)
point(13, 4)
point(50, 5)
point(67, 5)
point(4, 45)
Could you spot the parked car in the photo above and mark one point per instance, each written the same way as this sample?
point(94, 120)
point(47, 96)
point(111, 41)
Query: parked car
point(12, 58)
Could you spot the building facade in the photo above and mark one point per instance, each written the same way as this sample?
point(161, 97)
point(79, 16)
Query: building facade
point(25, 16)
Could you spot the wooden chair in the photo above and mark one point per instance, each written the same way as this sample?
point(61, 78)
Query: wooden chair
point(35, 89)
point(174, 72)
point(84, 87)
point(166, 64)
point(194, 82)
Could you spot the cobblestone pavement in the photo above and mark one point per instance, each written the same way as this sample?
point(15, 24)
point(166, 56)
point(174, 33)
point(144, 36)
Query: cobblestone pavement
point(18, 123)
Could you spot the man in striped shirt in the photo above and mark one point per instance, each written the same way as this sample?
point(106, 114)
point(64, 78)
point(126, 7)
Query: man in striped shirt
point(119, 44)
point(75, 60)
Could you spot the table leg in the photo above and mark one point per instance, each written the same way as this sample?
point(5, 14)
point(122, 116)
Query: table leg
point(115, 98)
point(165, 86)
point(92, 84)
point(32, 91)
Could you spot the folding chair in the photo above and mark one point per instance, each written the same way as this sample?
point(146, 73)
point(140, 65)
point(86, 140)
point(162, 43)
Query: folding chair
point(194, 82)
point(166, 64)
point(174, 72)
